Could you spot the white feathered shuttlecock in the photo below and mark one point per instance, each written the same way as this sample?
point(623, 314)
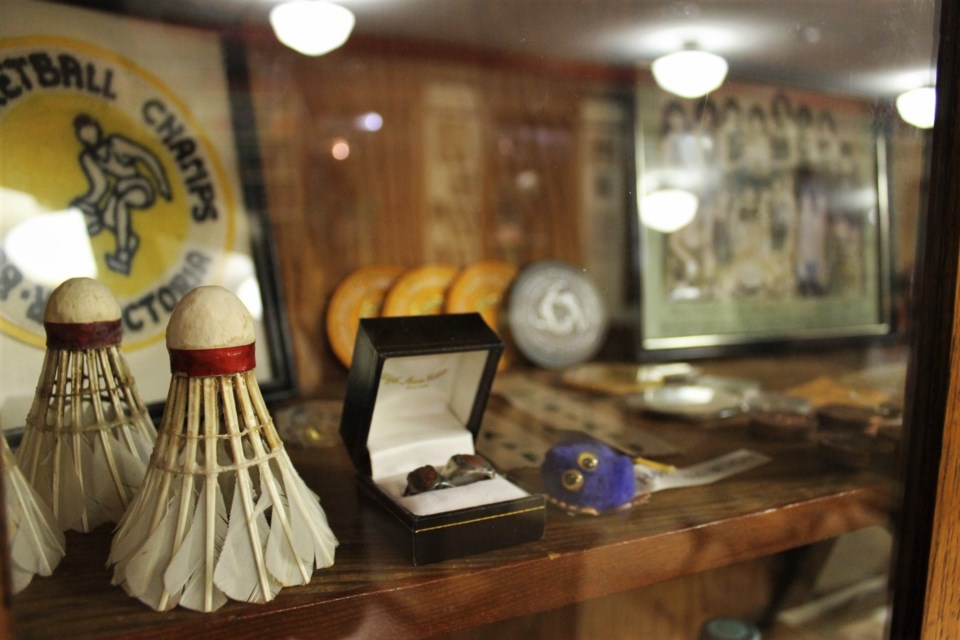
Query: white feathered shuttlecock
point(88, 435)
point(222, 512)
point(34, 539)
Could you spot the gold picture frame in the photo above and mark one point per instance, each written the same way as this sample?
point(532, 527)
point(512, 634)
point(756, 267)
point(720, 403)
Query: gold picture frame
point(788, 239)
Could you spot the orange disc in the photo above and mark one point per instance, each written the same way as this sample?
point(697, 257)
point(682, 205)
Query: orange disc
point(481, 287)
point(359, 295)
point(420, 291)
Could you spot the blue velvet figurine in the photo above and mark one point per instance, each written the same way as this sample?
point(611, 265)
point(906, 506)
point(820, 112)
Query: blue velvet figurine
point(585, 476)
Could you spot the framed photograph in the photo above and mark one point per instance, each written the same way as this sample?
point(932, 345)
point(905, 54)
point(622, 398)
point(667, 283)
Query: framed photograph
point(127, 154)
point(763, 219)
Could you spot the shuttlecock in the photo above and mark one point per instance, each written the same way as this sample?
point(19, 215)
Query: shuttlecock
point(34, 539)
point(88, 435)
point(222, 512)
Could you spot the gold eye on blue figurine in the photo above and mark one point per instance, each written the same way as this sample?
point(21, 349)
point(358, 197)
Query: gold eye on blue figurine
point(572, 480)
point(585, 476)
point(588, 460)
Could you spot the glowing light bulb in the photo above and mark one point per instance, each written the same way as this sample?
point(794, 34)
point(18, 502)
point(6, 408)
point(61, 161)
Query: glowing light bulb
point(668, 210)
point(689, 73)
point(918, 106)
point(311, 27)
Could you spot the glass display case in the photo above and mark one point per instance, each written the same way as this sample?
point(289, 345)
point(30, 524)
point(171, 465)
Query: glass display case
point(763, 267)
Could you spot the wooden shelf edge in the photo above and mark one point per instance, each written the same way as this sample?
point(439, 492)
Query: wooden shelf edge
point(548, 579)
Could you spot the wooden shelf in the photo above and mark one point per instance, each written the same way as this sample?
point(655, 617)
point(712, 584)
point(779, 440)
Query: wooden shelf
point(372, 591)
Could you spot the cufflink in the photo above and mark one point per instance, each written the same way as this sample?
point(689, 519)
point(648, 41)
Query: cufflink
point(425, 478)
point(467, 468)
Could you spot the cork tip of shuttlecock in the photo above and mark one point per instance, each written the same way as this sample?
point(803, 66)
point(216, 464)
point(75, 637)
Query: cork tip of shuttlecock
point(80, 301)
point(209, 317)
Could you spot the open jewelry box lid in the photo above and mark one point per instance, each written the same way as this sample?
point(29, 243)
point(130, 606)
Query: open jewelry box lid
point(417, 390)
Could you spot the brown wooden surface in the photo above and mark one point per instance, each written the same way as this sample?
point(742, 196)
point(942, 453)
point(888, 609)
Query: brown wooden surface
point(672, 610)
point(372, 591)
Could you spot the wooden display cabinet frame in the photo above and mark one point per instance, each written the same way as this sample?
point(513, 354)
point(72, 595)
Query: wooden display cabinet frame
point(926, 522)
point(925, 517)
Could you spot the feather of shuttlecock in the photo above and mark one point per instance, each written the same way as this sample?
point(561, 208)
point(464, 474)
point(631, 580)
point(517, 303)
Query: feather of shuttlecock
point(241, 571)
point(281, 560)
point(188, 572)
point(88, 434)
point(145, 569)
point(222, 512)
point(312, 539)
point(140, 516)
point(34, 539)
point(154, 524)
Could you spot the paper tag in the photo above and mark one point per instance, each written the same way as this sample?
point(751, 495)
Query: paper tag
point(650, 480)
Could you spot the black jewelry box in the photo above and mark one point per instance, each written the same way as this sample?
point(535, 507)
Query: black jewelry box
point(416, 394)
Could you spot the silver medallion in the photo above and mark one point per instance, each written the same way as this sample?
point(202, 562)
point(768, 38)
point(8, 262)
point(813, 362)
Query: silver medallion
point(555, 314)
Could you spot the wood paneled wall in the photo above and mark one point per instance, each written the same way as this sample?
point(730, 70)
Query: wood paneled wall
point(505, 187)
point(478, 158)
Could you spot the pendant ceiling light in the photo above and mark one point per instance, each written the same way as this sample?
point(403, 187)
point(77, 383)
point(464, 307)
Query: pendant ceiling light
point(668, 210)
point(689, 73)
point(311, 27)
point(918, 106)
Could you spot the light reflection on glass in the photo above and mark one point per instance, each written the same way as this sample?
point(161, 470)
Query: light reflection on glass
point(340, 150)
point(668, 210)
point(370, 121)
point(51, 247)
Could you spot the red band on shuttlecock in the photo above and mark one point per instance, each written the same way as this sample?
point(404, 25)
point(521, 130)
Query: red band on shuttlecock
point(213, 362)
point(83, 335)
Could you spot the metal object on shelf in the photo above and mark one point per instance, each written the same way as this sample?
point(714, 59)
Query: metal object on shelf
point(467, 468)
point(688, 402)
point(555, 314)
point(625, 377)
point(423, 479)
